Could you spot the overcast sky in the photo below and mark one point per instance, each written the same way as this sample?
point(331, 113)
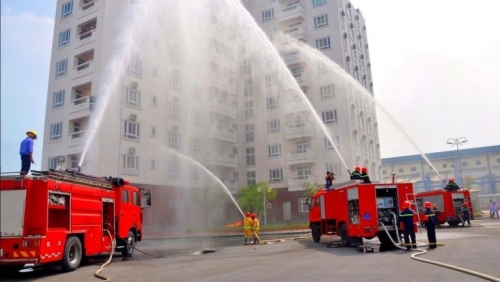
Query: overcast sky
point(435, 64)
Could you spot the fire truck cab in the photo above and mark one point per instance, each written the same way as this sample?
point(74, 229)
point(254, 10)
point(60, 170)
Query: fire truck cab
point(355, 211)
point(450, 205)
point(60, 217)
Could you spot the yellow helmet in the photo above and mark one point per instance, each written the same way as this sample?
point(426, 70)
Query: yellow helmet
point(32, 132)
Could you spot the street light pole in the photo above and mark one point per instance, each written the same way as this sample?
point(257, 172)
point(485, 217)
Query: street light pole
point(456, 142)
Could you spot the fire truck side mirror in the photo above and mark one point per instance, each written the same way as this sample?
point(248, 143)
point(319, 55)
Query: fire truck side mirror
point(146, 201)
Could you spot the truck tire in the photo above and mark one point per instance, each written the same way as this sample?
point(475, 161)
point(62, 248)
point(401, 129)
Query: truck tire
point(346, 242)
point(315, 232)
point(73, 253)
point(129, 244)
point(453, 223)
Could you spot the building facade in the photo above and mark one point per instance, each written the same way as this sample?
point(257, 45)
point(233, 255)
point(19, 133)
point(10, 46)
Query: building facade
point(475, 168)
point(130, 95)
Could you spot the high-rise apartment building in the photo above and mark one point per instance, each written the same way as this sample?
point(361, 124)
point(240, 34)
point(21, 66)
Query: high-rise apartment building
point(157, 98)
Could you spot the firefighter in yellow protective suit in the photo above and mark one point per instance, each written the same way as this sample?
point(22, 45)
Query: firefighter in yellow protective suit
point(255, 229)
point(247, 228)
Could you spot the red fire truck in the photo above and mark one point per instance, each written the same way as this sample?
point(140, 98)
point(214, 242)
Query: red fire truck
point(449, 204)
point(61, 217)
point(355, 211)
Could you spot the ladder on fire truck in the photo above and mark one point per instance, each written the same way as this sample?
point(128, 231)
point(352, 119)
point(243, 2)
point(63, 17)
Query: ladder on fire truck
point(75, 177)
point(411, 197)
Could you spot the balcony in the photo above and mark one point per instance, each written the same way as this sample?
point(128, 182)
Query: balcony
point(88, 8)
point(83, 104)
point(84, 69)
point(224, 160)
point(303, 79)
point(76, 138)
point(224, 108)
point(231, 184)
point(86, 32)
point(299, 130)
point(222, 133)
point(296, 105)
point(294, 12)
point(297, 32)
point(301, 157)
point(293, 57)
point(224, 83)
point(295, 183)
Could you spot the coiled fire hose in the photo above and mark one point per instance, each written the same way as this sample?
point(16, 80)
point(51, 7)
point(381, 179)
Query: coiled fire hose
point(113, 245)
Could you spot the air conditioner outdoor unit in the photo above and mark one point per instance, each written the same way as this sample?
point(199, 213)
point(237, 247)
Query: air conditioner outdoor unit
point(176, 99)
point(131, 150)
point(133, 117)
point(176, 128)
point(134, 84)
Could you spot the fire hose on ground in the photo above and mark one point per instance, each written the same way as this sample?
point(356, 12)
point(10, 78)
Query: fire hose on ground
point(96, 274)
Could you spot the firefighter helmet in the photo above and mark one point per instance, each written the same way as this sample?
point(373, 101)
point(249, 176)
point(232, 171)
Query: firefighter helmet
point(253, 215)
point(406, 205)
point(427, 205)
point(451, 179)
point(357, 168)
point(364, 170)
point(247, 214)
point(32, 132)
point(466, 204)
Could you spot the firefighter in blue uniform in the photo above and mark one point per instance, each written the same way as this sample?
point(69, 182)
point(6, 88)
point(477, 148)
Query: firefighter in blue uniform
point(406, 216)
point(364, 175)
point(356, 174)
point(451, 186)
point(466, 214)
point(430, 225)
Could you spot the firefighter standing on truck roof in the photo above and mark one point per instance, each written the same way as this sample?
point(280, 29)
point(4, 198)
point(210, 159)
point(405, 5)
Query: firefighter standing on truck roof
point(247, 228)
point(406, 216)
point(451, 186)
point(255, 228)
point(430, 225)
point(465, 212)
point(364, 175)
point(356, 174)
point(26, 151)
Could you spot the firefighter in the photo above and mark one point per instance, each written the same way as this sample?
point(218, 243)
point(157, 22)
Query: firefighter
point(406, 216)
point(430, 225)
point(247, 228)
point(255, 229)
point(364, 175)
point(356, 174)
point(451, 186)
point(466, 215)
point(436, 211)
point(26, 152)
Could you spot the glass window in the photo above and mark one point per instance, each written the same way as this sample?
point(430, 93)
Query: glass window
point(270, 79)
point(251, 178)
point(133, 97)
point(249, 132)
point(250, 156)
point(323, 43)
point(58, 99)
point(67, 9)
point(248, 87)
point(131, 130)
point(247, 67)
point(52, 163)
point(273, 125)
point(124, 196)
point(328, 144)
point(61, 67)
point(303, 207)
point(174, 139)
point(321, 21)
point(276, 175)
point(274, 150)
point(152, 164)
point(137, 199)
point(135, 67)
point(64, 37)
point(55, 131)
point(478, 162)
point(327, 91)
point(330, 116)
point(267, 15)
point(196, 144)
point(248, 109)
point(173, 168)
point(175, 80)
point(174, 110)
point(272, 102)
point(318, 2)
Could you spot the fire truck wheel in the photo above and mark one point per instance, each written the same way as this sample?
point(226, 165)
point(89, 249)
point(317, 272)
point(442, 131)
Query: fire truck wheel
point(343, 236)
point(315, 233)
point(72, 254)
point(453, 223)
point(129, 247)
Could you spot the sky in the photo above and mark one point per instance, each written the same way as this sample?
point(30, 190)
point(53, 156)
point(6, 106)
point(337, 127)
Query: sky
point(435, 66)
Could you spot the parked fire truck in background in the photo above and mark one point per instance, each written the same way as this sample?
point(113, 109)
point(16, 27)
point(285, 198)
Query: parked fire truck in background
point(450, 205)
point(356, 211)
point(57, 217)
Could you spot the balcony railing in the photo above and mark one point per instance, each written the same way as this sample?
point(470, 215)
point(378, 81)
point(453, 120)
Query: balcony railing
point(88, 8)
point(231, 184)
point(303, 79)
point(84, 103)
point(225, 108)
point(299, 130)
point(293, 57)
point(84, 69)
point(296, 11)
point(225, 160)
point(301, 156)
point(298, 32)
point(76, 138)
point(86, 37)
point(222, 132)
point(295, 183)
point(224, 83)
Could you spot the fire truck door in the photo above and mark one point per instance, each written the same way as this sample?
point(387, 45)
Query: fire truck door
point(321, 200)
point(108, 224)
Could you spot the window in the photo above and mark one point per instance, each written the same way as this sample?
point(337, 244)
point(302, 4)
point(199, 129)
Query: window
point(327, 91)
point(55, 131)
point(354, 54)
point(324, 68)
point(250, 156)
point(478, 162)
point(174, 139)
point(251, 178)
point(363, 145)
point(401, 170)
point(58, 99)
point(274, 150)
point(52, 163)
point(357, 24)
point(371, 150)
point(152, 164)
point(355, 142)
point(248, 109)
point(348, 65)
point(464, 163)
point(124, 196)
point(67, 9)
point(330, 116)
point(302, 146)
point(273, 125)
point(361, 121)
point(276, 175)
point(351, 33)
point(345, 43)
point(174, 54)
point(272, 102)
point(321, 21)
point(303, 207)
point(196, 144)
point(349, 15)
point(249, 132)
point(369, 127)
point(153, 131)
point(173, 168)
point(247, 67)
point(133, 97)
point(130, 164)
point(267, 15)
point(175, 80)
point(270, 34)
point(248, 87)
point(323, 43)
point(270, 79)
point(64, 37)
point(413, 168)
point(445, 165)
point(135, 67)
point(61, 67)
point(154, 101)
point(174, 110)
point(328, 144)
point(196, 117)
point(131, 130)
point(318, 2)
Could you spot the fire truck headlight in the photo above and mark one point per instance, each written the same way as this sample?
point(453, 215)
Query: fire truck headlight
point(31, 243)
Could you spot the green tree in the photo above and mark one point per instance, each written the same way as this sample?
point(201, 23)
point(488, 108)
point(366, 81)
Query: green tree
point(208, 200)
point(468, 180)
point(310, 188)
point(251, 197)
